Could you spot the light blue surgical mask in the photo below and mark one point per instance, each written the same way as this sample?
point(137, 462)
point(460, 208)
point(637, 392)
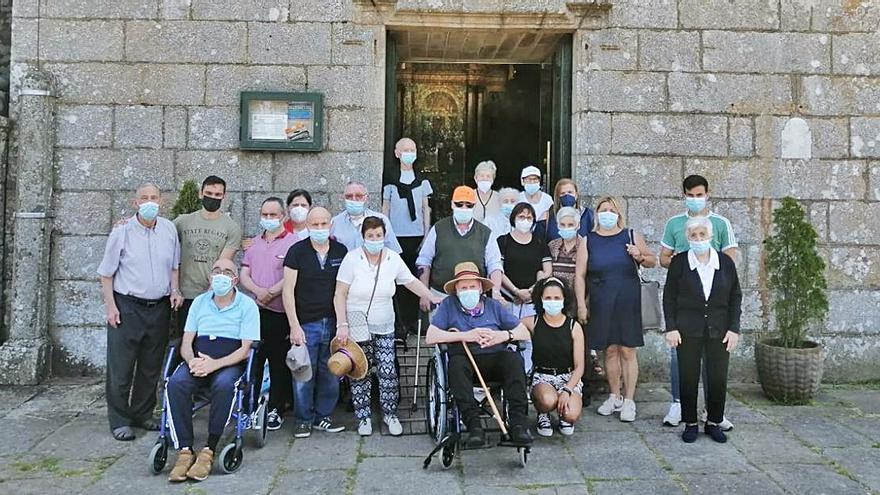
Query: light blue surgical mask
point(531, 188)
point(700, 247)
point(567, 234)
point(552, 306)
point(270, 224)
point(695, 205)
point(221, 284)
point(607, 219)
point(148, 211)
point(463, 215)
point(507, 209)
point(408, 157)
point(469, 298)
point(355, 208)
point(321, 236)
point(374, 247)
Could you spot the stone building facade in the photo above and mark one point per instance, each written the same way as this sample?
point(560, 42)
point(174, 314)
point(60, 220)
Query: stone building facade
point(148, 90)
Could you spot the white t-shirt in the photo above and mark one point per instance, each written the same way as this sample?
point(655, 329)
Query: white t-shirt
point(359, 274)
point(542, 206)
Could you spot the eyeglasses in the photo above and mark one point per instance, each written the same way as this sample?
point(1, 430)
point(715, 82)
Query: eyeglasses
point(218, 271)
point(463, 204)
point(355, 197)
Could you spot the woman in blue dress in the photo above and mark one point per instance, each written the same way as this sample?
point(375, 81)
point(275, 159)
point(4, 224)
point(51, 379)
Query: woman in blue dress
point(609, 301)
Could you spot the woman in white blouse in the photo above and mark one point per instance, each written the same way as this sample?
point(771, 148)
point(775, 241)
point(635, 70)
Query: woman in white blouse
point(365, 286)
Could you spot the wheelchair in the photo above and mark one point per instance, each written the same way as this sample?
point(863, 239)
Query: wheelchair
point(443, 420)
point(250, 413)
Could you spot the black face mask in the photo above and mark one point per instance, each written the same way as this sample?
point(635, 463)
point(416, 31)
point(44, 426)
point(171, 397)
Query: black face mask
point(210, 204)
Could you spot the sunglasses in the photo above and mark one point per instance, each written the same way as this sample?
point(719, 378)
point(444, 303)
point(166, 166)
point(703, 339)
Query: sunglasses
point(463, 204)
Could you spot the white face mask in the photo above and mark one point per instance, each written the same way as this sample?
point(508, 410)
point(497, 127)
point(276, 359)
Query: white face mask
point(484, 185)
point(299, 214)
point(524, 226)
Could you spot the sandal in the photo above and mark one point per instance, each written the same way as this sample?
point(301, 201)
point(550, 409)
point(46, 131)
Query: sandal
point(123, 434)
point(149, 425)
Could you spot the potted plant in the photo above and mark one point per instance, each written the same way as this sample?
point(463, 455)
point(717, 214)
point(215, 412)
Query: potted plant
point(789, 365)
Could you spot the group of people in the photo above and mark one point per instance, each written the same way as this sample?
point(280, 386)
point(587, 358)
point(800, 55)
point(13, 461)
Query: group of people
point(506, 267)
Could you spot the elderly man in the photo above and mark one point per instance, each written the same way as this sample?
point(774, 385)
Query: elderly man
point(486, 328)
point(138, 274)
point(346, 226)
point(310, 270)
point(262, 275)
point(457, 239)
point(218, 333)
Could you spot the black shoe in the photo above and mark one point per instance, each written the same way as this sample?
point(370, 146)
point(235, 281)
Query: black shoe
point(519, 434)
point(715, 432)
point(476, 437)
point(690, 433)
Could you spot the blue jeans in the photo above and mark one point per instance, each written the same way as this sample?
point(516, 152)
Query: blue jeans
point(316, 398)
point(674, 379)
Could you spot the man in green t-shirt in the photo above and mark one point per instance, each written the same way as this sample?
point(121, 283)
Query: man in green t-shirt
point(205, 236)
point(696, 195)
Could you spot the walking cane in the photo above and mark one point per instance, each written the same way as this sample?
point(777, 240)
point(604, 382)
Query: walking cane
point(495, 413)
point(416, 372)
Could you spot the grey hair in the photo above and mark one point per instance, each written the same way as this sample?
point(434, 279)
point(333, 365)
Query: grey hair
point(508, 191)
point(696, 222)
point(568, 211)
point(486, 166)
point(356, 183)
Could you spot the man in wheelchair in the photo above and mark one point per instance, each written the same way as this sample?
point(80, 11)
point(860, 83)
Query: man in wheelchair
point(220, 328)
point(487, 328)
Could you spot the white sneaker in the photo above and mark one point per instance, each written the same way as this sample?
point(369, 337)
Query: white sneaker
point(365, 427)
point(725, 423)
point(628, 411)
point(566, 428)
point(394, 426)
point(673, 417)
point(611, 405)
point(544, 428)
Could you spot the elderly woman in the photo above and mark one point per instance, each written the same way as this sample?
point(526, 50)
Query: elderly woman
point(565, 194)
point(702, 304)
point(488, 201)
point(365, 285)
point(499, 221)
point(607, 265)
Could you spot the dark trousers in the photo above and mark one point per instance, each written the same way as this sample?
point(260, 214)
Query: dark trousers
point(691, 351)
point(274, 345)
point(221, 393)
point(506, 367)
point(407, 302)
point(135, 350)
point(182, 313)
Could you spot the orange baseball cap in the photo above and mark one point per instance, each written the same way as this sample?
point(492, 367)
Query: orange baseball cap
point(464, 193)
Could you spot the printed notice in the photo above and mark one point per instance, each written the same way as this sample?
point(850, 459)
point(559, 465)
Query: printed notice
point(269, 120)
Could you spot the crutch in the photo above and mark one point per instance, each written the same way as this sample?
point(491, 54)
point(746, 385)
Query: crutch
point(418, 352)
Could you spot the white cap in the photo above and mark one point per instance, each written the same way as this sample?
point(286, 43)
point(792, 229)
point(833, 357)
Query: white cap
point(530, 170)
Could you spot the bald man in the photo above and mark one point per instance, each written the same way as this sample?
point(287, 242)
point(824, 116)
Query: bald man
point(220, 327)
point(406, 202)
point(139, 282)
point(310, 269)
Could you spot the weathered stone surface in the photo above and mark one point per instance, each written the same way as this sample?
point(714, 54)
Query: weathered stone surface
point(226, 82)
point(84, 213)
point(669, 134)
point(649, 216)
point(734, 93)
point(354, 129)
point(113, 169)
point(243, 171)
point(728, 51)
point(823, 95)
point(213, 128)
point(741, 135)
point(186, 41)
point(174, 9)
point(795, 14)
point(327, 11)
point(854, 223)
point(121, 9)
point(745, 217)
point(675, 51)
point(233, 10)
point(845, 16)
point(699, 457)
point(666, 487)
point(852, 267)
point(616, 91)
point(773, 445)
point(645, 464)
point(874, 177)
point(26, 8)
point(79, 348)
point(335, 81)
point(818, 179)
point(611, 49)
point(25, 40)
point(644, 14)
point(853, 54)
point(138, 127)
point(629, 176)
point(829, 137)
point(592, 134)
point(860, 462)
point(80, 40)
point(174, 127)
point(819, 220)
point(855, 312)
point(354, 44)
point(723, 14)
point(77, 257)
point(732, 178)
point(845, 356)
point(84, 126)
point(150, 84)
point(77, 303)
point(816, 478)
point(865, 136)
point(329, 171)
point(285, 43)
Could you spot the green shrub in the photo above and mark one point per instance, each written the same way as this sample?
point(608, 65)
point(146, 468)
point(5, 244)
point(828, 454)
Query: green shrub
point(187, 199)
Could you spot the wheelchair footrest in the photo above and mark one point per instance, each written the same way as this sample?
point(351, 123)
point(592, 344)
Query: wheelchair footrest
point(508, 443)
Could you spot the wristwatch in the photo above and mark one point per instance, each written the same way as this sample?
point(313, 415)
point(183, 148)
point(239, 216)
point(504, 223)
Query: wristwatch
point(509, 336)
point(566, 389)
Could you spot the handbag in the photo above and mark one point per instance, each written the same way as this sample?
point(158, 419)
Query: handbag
point(358, 325)
point(652, 316)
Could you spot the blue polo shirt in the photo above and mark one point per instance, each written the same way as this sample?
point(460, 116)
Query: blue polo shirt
point(450, 314)
point(240, 320)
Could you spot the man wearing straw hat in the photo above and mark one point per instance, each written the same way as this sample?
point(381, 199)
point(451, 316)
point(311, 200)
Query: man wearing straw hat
point(486, 328)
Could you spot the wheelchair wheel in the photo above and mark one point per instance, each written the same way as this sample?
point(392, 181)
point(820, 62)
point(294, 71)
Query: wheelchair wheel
point(447, 455)
point(523, 455)
point(158, 457)
point(435, 393)
point(262, 427)
point(230, 458)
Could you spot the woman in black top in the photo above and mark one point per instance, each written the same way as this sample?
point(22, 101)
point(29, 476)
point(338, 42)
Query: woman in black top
point(558, 356)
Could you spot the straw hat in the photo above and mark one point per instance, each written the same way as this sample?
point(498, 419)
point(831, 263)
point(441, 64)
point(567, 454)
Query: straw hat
point(348, 359)
point(466, 271)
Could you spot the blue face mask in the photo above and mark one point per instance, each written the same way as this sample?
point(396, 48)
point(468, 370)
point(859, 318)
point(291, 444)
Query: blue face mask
point(700, 247)
point(462, 215)
point(270, 224)
point(531, 188)
point(321, 236)
point(552, 306)
point(607, 219)
point(469, 298)
point(374, 247)
point(567, 234)
point(507, 209)
point(355, 208)
point(148, 211)
point(695, 205)
point(408, 157)
point(221, 284)
point(568, 200)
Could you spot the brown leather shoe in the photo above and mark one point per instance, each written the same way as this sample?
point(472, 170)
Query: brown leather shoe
point(202, 467)
point(185, 460)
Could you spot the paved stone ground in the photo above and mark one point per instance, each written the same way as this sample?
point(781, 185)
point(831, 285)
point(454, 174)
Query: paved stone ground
point(56, 441)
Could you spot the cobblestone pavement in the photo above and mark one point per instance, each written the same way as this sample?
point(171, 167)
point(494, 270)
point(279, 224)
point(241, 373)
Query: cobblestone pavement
point(56, 440)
